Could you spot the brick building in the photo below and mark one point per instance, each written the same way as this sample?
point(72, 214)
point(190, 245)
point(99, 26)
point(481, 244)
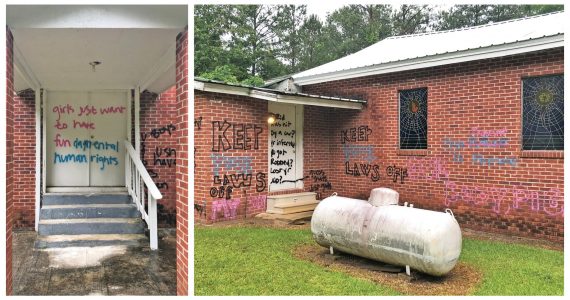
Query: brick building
point(468, 119)
point(97, 111)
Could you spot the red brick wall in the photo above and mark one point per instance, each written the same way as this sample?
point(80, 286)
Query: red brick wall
point(222, 166)
point(159, 148)
point(24, 159)
point(9, 156)
point(182, 163)
point(461, 97)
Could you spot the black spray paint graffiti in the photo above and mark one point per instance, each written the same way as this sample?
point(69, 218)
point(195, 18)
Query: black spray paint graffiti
point(225, 185)
point(395, 172)
point(165, 156)
point(157, 132)
point(282, 162)
point(162, 156)
point(359, 169)
point(355, 134)
point(198, 123)
point(242, 137)
point(201, 208)
point(320, 182)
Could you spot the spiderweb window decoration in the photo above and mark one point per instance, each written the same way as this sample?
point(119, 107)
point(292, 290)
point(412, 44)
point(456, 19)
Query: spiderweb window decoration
point(543, 113)
point(413, 119)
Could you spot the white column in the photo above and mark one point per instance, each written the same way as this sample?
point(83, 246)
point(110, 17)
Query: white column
point(39, 175)
point(137, 120)
point(44, 124)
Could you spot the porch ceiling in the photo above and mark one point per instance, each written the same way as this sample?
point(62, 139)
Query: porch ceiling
point(136, 46)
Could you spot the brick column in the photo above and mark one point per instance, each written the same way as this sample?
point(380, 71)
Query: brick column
point(182, 163)
point(9, 156)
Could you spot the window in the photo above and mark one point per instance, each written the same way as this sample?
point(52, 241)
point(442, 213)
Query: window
point(543, 113)
point(413, 119)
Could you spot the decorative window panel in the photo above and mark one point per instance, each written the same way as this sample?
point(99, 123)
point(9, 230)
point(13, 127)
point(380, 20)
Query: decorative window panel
point(413, 119)
point(543, 113)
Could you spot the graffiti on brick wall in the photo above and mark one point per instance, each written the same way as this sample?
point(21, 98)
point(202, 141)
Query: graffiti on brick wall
point(431, 168)
point(162, 156)
point(359, 152)
point(224, 185)
point(371, 171)
point(257, 203)
point(241, 164)
point(482, 160)
point(504, 201)
point(198, 123)
point(200, 208)
point(227, 136)
point(359, 160)
point(157, 132)
point(224, 210)
point(234, 172)
point(319, 182)
point(481, 139)
point(73, 122)
point(395, 172)
point(355, 134)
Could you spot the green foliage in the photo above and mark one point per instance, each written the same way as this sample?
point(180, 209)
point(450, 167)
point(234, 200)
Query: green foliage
point(210, 25)
point(269, 41)
point(223, 73)
point(253, 81)
point(259, 261)
point(460, 16)
point(410, 19)
point(226, 73)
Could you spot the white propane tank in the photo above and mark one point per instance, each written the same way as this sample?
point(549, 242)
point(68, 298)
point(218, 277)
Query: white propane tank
point(427, 241)
point(383, 196)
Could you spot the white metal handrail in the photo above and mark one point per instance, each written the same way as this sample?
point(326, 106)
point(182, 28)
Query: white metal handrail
point(136, 178)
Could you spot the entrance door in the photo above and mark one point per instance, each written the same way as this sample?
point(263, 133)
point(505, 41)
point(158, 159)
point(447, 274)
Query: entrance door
point(84, 135)
point(286, 147)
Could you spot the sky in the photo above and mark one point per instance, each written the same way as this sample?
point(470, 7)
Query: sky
point(322, 9)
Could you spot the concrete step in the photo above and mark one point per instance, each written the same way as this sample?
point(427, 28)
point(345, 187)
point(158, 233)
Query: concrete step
point(285, 199)
point(286, 217)
point(80, 211)
point(289, 208)
point(91, 226)
point(69, 199)
point(90, 240)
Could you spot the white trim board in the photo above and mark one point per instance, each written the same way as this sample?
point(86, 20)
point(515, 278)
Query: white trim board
point(275, 97)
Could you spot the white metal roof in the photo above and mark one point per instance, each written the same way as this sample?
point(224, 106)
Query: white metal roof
point(443, 47)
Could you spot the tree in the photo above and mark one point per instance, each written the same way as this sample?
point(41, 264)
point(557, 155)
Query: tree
point(354, 27)
point(252, 35)
point(410, 19)
point(460, 16)
point(311, 36)
point(287, 29)
point(210, 26)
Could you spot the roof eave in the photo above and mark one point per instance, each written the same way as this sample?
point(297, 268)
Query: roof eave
point(274, 96)
point(495, 51)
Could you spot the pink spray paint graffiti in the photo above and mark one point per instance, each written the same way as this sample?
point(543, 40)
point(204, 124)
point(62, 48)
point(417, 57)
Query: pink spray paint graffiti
point(227, 208)
point(500, 200)
point(257, 203)
point(432, 168)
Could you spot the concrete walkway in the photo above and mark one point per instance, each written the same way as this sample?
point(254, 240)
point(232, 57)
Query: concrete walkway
point(108, 270)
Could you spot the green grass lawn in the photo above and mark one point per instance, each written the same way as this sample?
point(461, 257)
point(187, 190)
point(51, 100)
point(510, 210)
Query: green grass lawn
point(258, 261)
